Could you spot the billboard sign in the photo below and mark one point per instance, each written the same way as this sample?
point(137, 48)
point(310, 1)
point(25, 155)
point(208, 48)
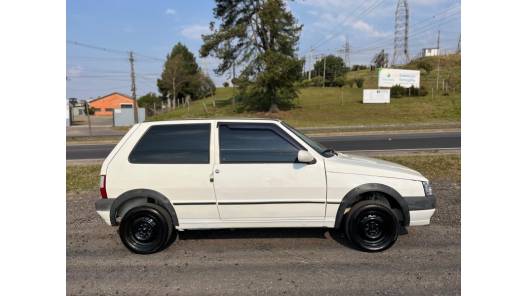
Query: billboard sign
point(404, 78)
point(375, 96)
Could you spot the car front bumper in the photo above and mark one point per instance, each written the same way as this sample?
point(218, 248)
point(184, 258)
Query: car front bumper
point(421, 208)
point(103, 206)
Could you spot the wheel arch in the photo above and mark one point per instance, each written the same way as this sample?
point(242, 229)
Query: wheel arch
point(357, 194)
point(138, 196)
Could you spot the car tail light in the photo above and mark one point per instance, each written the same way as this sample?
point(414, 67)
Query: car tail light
point(102, 186)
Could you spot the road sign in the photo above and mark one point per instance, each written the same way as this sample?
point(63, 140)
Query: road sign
point(404, 78)
point(375, 96)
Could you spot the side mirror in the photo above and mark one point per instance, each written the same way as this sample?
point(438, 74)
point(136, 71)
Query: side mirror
point(305, 157)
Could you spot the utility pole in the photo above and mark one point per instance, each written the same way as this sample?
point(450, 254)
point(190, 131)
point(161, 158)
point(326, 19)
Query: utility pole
point(324, 75)
point(87, 110)
point(310, 62)
point(132, 74)
point(232, 81)
point(459, 44)
point(438, 58)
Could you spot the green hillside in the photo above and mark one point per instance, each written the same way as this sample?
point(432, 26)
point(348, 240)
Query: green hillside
point(318, 106)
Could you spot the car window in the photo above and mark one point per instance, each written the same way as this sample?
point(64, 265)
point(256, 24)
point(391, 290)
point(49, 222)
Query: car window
point(173, 144)
point(256, 143)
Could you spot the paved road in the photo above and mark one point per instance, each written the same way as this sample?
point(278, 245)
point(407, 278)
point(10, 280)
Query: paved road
point(339, 143)
point(312, 261)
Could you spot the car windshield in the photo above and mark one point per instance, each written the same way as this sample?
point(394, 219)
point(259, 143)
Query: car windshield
point(321, 149)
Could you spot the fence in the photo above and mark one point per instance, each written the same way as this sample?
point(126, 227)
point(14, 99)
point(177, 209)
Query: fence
point(125, 117)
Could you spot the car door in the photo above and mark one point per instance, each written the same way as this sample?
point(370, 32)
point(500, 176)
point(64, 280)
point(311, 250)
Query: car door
point(257, 177)
point(176, 161)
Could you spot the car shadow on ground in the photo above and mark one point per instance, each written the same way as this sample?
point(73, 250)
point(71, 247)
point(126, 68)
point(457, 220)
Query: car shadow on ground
point(257, 233)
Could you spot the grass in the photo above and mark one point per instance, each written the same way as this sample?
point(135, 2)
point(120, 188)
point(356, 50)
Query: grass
point(82, 177)
point(325, 107)
point(85, 177)
point(447, 166)
point(330, 106)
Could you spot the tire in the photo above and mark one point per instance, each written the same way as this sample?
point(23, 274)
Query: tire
point(146, 229)
point(372, 226)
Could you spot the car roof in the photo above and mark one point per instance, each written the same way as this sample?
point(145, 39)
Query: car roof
point(195, 120)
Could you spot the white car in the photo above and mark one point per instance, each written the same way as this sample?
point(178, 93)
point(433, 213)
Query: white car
point(164, 177)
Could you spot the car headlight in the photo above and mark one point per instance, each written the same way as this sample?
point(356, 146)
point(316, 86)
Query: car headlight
point(427, 188)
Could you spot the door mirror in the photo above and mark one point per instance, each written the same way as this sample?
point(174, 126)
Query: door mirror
point(305, 157)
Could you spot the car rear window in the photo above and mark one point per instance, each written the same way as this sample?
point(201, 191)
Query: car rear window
point(173, 144)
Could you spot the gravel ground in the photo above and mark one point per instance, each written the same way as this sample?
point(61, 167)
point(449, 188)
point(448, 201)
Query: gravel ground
point(427, 261)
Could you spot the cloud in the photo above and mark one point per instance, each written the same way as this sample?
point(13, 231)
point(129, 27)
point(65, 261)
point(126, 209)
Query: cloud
point(425, 2)
point(327, 3)
point(195, 31)
point(368, 29)
point(170, 11)
point(330, 21)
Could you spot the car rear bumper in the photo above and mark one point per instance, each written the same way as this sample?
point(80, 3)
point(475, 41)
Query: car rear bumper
point(103, 206)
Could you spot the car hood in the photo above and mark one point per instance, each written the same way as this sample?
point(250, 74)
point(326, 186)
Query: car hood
point(354, 164)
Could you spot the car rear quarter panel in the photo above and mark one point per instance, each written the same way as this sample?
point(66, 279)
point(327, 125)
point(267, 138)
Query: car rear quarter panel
point(181, 183)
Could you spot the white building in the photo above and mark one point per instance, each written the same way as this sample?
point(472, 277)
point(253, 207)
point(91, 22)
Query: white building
point(430, 52)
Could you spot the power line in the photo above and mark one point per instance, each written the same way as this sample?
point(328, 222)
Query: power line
point(116, 51)
point(96, 47)
point(365, 12)
point(414, 34)
point(444, 14)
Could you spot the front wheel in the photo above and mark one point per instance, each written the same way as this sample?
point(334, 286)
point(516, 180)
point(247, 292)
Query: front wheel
point(146, 229)
point(372, 226)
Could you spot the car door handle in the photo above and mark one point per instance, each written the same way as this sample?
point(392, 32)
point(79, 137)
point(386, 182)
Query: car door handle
point(217, 171)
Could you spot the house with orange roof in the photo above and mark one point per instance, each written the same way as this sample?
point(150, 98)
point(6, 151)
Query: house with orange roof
point(105, 105)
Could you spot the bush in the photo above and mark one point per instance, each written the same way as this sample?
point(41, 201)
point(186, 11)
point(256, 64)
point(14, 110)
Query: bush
point(397, 91)
point(358, 67)
point(317, 81)
point(359, 82)
point(425, 66)
point(422, 91)
point(339, 81)
point(226, 84)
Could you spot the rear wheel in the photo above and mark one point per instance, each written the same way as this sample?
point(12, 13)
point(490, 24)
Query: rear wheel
point(146, 229)
point(372, 226)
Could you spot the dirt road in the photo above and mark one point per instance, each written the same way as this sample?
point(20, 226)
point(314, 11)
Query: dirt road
point(427, 261)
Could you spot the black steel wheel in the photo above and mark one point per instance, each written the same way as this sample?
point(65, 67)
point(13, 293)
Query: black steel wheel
point(372, 226)
point(146, 229)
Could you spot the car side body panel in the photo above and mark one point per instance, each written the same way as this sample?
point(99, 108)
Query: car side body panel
point(312, 200)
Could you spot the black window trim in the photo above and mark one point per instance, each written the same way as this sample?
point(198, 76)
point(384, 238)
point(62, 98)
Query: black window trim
point(176, 124)
point(259, 125)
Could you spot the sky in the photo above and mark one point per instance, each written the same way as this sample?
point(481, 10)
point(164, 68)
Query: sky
point(101, 33)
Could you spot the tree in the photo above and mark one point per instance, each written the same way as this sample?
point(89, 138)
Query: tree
point(359, 82)
point(180, 73)
point(380, 60)
point(149, 100)
point(261, 36)
point(335, 67)
point(204, 85)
